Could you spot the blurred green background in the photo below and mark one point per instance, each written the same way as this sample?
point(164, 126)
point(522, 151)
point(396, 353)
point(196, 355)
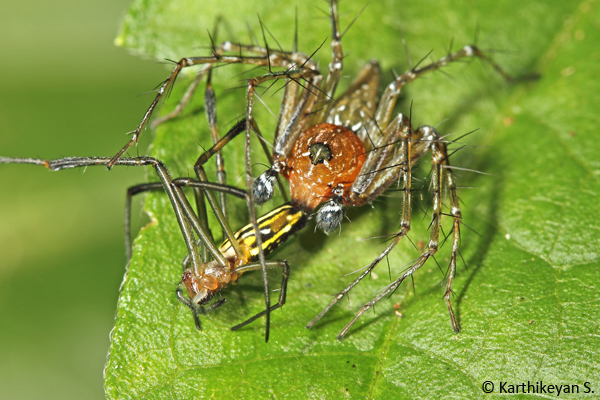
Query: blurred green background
point(65, 90)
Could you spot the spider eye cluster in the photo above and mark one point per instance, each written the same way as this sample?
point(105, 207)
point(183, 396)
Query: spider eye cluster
point(319, 153)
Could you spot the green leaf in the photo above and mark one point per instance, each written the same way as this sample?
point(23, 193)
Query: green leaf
point(526, 299)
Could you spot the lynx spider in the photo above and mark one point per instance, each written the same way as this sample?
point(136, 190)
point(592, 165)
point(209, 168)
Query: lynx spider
point(389, 147)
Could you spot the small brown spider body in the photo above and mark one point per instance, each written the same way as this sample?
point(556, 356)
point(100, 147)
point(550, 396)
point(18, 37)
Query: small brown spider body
point(202, 284)
point(203, 281)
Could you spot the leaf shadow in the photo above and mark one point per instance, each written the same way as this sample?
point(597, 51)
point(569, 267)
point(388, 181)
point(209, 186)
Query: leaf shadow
point(483, 245)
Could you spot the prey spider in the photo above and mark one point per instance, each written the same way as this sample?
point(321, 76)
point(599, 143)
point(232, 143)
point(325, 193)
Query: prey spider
point(350, 143)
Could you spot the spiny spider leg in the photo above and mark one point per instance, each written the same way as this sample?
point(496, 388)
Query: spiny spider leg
point(405, 133)
point(325, 100)
point(252, 83)
point(189, 93)
point(388, 99)
point(356, 106)
point(210, 105)
point(295, 118)
point(297, 64)
point(184, 99)
point(439, 163)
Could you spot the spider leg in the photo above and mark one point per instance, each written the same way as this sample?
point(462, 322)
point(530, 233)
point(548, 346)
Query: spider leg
point(179, 292)
point(185, 99)
point(292, 130)
point(403, 130)
point(325, 100)
point(189, 93)
point(264, 58)
point(457, 217)
point(282, 295)
point(289, 104)
point(386, 162)
point(219, 208)
point(252, 210)
point(301, 115)
point(390, 95)
point(132, 191)
point(211, 115)
point(194, 308)
point(440, 172)
point(210, 102)
point(356, 106)
point(210, 186)
point(182, 182)
point(295, 117)
point(176, 196)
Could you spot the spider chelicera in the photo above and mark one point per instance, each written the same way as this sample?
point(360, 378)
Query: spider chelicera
point(335, 152)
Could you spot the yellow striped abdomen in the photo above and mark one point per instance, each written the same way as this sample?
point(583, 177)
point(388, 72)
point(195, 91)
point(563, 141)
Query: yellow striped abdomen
point(275, 228)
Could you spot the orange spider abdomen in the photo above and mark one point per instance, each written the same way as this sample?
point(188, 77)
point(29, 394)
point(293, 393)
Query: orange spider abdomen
point(323, 157)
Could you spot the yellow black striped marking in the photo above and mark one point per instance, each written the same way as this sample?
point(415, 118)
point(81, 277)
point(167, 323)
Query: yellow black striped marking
point(275, 228)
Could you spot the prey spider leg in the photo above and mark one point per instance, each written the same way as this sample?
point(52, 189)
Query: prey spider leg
point(181, 182)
